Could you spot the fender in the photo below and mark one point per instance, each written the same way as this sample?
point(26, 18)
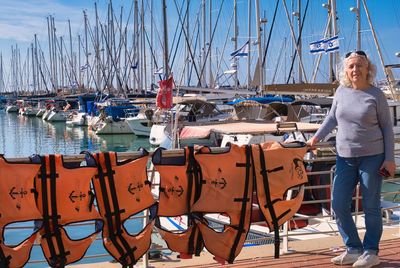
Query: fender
point(18, 204)
point(277, 169)
point(226, 187)
point(122, 190)
point(178, 182)
point(64, 197)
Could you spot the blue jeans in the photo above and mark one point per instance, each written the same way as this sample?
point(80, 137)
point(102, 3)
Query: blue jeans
point(350, 171)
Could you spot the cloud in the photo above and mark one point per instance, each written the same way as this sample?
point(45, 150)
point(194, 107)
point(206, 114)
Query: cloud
point(20, 20)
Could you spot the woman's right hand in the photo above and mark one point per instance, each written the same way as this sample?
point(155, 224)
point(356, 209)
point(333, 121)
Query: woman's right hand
point(312, 141)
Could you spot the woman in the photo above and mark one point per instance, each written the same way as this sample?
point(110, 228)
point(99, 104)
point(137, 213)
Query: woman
point(365, 149)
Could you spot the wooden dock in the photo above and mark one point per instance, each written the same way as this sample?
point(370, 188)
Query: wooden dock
point(306, 253)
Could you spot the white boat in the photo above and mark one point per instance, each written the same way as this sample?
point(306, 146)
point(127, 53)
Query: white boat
point(158, 135)
point(140, 125)
point(110, 126)
point(244, 132)
point(190, 110)
point(57, 116)
point(77, 119)
point(46, 114)
point(10, 108)
point(40, 112)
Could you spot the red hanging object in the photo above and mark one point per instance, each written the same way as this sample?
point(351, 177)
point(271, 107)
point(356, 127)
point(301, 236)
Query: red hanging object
point(164, 95)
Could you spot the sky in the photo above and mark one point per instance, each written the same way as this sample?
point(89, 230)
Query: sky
point(21, 19)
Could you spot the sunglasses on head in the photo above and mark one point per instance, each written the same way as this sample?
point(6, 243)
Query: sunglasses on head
point(358, 52)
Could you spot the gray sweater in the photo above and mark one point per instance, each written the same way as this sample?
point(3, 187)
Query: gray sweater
point(363, 121)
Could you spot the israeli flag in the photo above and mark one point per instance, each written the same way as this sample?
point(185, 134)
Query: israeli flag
point(317, 47)
point(241, 52)
point(331, 44)
point(84, 67)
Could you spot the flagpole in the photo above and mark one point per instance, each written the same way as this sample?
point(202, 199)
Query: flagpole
point(259, 62)
point(299, 42)
point(335, 32)
point(235, 41)
point(166, 68)
point(249, 40)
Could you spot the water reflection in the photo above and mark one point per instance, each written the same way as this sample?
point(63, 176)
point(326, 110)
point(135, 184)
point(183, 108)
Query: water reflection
point(23, 136)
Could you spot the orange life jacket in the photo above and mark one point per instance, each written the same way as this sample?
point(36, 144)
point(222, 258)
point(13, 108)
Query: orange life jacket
point(277, 168)
point(18, 204)
point(178, 180)
point(64, 196)
point(122, 190)
point(226, 187)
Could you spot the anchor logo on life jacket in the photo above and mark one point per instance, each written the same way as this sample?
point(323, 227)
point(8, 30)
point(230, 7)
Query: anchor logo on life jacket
point(14, 194)
point(131, 188)
point(219, 183)
point(73, 197)
point(297, 166)
point(174, 190)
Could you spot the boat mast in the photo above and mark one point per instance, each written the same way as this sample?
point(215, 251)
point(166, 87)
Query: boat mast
point(335, 32)
point(2, 88)
point(249, 40)
point(235, 35)
point(33, 69)
point(136, 44)
point(294, 39)
point(144, 50)
point(259, 62)
point(358, 14)
point(71, 59)
point(210, 77)
point(299, 44)
point(378, 48)
point(187, 44)
point(203, 50)
point(165, 28)
point(97, 49)
point(86, 51)
point(152, 80)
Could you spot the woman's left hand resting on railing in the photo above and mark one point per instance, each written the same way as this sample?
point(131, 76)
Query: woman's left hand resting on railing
point(312, 141)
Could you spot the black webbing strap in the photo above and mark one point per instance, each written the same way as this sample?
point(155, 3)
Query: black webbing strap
point(4, 260)
point(245, 200)
point(269, 204)
point(199, 241)
point(45, 207)
point(195, 181)
point(106, 202)
point(190, 177)
point(61, 257)
point(50, 215)
point(128, 251)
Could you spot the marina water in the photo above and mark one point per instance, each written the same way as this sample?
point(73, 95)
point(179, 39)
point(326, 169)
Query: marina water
point(22, 136)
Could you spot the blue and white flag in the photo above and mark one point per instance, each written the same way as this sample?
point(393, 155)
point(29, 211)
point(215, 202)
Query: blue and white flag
point(317, 47)
point(331, 44)
point(325, 45)
point(241, 52)
point(84, 67)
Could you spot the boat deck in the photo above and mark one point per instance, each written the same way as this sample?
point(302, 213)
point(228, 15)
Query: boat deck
point(306, 253)
point(244, 127)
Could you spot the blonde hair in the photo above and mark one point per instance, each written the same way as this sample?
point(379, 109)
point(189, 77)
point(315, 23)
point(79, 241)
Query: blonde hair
point(345, 81)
